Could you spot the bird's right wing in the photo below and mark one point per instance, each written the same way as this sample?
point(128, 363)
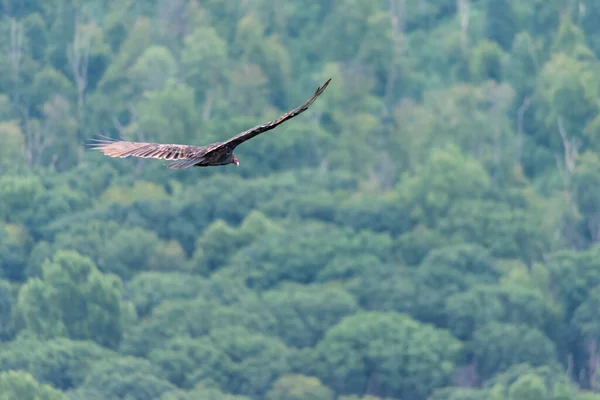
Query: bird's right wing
point(122, 149)
point(257, 130)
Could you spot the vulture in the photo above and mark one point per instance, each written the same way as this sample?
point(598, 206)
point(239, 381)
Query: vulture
point(183, 156)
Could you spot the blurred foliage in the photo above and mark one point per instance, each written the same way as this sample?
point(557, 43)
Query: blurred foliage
point(428, 230)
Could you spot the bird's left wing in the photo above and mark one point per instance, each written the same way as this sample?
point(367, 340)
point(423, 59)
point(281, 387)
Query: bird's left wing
point(257, 130)
point(122, 149)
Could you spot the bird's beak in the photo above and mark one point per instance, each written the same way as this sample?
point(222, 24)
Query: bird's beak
point(237, 163)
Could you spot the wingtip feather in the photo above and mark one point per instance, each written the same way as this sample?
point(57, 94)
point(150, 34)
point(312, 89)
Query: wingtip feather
point(322, 88)
point(100, 141)
point(107, 145)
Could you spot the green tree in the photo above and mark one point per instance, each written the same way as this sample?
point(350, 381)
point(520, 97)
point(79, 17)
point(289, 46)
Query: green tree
point(7, 310)
point(528, 387)
point(126, 377)
point(137, 39)
point(61, 363)
point(570, 39)
point(12, 153)
point(371, 348)
point(572, 275)
point(592, 11)
point(47, 83)
point(170, 109)
point(467, 311)
point(19, 385)
point(220, 242)
point(298, 255)
point(444, 272)
point(584, 187)
point(525, 59)
point(15, 242)
point(201, 392)
point(204, 59)
point(298, 387)
point(304, 314)
point(447, 177)
point(497, 346)
point(585, 321)
point(191, 318)
point(565, 94)
point(154, 68)
point(525, 381)
point(487, 61)
point(130, 250)
point(500, 22)
point(182, 359)
point(147, 290)
point(453, 393)
point(507, 230)
point(15, 195)
point(73, 298)
point(246, 363)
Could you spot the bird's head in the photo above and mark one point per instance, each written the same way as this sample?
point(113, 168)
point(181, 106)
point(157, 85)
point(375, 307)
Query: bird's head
point(234, 160)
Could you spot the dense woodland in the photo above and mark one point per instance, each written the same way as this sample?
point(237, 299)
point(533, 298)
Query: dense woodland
point(427, 230)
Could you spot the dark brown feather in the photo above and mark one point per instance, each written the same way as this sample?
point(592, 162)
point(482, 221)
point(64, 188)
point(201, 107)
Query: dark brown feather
point(257, 130)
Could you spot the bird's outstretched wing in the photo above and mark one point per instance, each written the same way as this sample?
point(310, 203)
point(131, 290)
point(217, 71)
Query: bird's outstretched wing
point(121, 148)
point(257, 130)
point(184, 156)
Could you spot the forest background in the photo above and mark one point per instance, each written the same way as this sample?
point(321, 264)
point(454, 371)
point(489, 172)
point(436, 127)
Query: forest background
point(427, 230)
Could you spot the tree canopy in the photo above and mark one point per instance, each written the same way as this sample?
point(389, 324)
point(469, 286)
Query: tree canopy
point(428, 230)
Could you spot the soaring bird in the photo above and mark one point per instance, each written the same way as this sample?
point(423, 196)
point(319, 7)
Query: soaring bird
point(185, 156)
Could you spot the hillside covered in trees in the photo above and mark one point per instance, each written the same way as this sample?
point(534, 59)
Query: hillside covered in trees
point(427, 230)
